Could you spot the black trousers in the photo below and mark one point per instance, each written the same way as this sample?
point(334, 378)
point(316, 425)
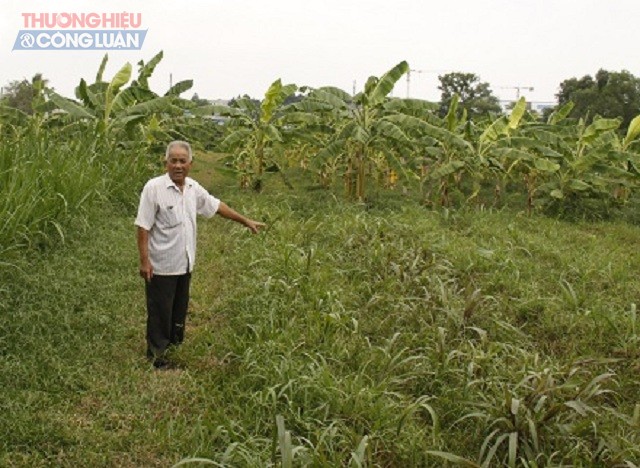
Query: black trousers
point(167, 303)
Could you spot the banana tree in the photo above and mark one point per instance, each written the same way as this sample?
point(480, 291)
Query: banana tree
point(598, 165)
point(502, 151)
point(565, 163)
point(114, 108)
point(452, 152)
point(255, 126)
point(441, 150)
point(361, 132)
point(304, 135)
point(625, 160)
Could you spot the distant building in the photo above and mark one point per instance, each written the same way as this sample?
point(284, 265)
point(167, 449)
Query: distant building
point(541, 106)
point(220, 102)
point(537, 106)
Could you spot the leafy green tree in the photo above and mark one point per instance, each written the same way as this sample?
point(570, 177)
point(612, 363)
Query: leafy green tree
point(475, 96)
point(198, 101)
point(608, 94)
point(23, 95)
point(25, 108)
point(245, 97)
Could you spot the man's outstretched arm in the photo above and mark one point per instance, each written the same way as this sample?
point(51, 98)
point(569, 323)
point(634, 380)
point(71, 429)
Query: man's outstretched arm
point(226, 212)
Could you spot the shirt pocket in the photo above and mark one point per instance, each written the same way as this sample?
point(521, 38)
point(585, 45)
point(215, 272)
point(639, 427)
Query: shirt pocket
point(168, 216)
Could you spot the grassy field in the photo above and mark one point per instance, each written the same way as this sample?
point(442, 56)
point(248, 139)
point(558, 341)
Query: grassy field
point(384, 334)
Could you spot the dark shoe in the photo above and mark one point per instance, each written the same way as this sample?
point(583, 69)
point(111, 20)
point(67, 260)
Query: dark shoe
point(161, 363)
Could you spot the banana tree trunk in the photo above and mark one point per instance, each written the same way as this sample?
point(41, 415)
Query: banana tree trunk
point(361, 174)
point(348, 179)
point(530, 182)
point(497, 192)
point(259, 160)
point(444, 193)
point(258, 164)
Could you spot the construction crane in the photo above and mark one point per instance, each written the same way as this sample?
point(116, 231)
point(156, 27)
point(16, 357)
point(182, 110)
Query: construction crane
point(518, 88)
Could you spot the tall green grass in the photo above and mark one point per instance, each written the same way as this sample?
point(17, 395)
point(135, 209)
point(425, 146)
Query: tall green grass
point(47, 184)
point(343, 335)
point(433, 336)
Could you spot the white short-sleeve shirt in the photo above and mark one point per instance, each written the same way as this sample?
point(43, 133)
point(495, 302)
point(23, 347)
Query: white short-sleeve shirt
point(170, 217)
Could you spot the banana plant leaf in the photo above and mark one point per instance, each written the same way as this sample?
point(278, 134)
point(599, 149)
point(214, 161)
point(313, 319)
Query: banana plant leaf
point(353, 131)
point(632, 132)
point(272, 133)
point(130, 97)
point(561, 113)
point(333, 150)
point(529, 144)
point(599, 126)
point(442, 135)
point(553, 140)
point(391, 130)
point(146, 70)
point(272, 98)
point(161, 104)
point(452, 114)
point(414, 107)
point(311, 106)
point(544, 165)
point(87, 95)
point(557, 194)
point(76, 111)
point(179, 88)
point(101, 68)
point(297, 117)
point(512, 154)
point(447, 169)
point(517, 113)
point(386, 83)
point(578, 185)
point(236, 138)
point(332, 96)
point(120, 79)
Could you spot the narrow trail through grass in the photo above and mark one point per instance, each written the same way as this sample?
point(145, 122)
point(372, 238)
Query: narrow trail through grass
point(75, 382)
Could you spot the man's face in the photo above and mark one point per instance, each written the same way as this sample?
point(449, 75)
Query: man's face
point(178, 164)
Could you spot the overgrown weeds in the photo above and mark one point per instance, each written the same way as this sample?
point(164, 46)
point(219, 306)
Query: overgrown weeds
point(341, 336)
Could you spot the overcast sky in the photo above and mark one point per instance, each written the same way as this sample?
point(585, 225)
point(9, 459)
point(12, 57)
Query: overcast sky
point(233, 47)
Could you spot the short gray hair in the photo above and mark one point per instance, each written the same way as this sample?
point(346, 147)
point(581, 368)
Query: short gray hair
point(180, 143)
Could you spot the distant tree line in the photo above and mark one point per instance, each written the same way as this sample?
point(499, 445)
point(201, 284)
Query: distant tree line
point(608, 94)
point(20, 94)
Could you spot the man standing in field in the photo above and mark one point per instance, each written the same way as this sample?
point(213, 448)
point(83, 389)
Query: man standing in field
point(166, 234)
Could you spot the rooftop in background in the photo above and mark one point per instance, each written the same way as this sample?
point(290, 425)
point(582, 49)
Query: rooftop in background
point(538, 106)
